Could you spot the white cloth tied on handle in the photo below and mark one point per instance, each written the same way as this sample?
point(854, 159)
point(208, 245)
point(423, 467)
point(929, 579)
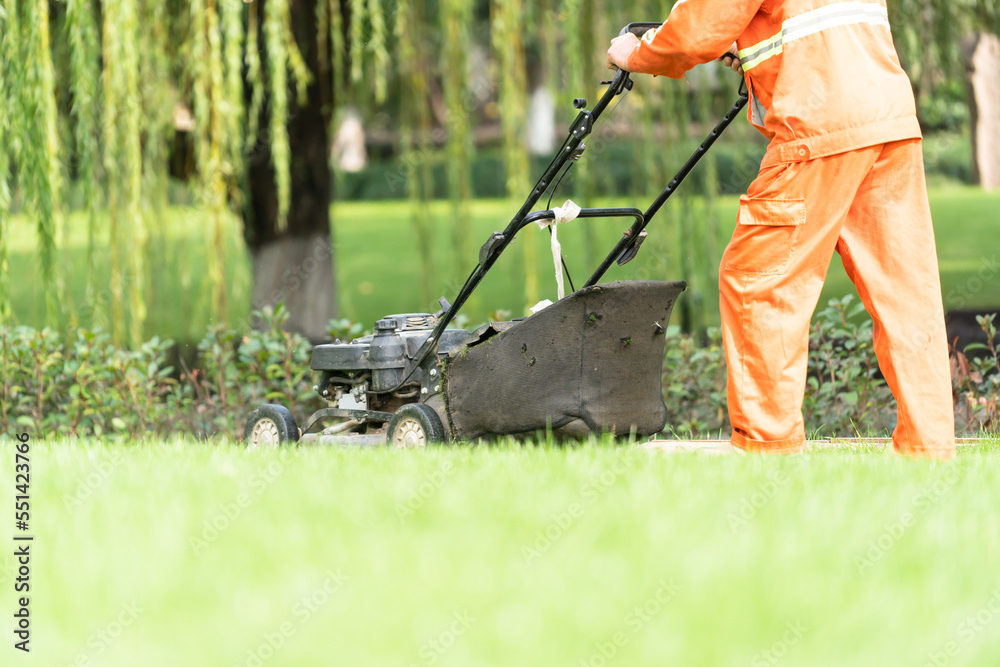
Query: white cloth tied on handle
point(565, 213)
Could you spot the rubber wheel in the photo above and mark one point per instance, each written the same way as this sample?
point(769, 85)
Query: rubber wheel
point(270, 426)
point(413, 426)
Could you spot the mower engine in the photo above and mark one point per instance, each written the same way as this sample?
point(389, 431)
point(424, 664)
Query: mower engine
point(367, 374)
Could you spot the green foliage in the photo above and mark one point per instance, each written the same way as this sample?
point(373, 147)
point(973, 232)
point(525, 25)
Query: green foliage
point(508, 44)
point(415, 129)
point(977, 381)
point(345, 330)
point(238, 373)
point(357, 42)
point(88, 386)
point(81, 32)
point(115, 96)
point(694, 384)
point(845, 395)
point(122, 67)
point(254, 78)
point(277, 67)
point(378, 50)
point(455, 28)
point(36, 144)
point(5, 295)
point(734, 164)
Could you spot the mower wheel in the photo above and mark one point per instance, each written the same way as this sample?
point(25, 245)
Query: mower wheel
point(270, 426)
point(413, 426)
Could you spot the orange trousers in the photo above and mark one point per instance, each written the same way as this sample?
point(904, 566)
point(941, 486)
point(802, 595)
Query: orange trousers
point(870, 205)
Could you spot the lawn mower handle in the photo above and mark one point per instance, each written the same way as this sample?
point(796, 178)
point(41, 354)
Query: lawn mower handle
point(579, 130)
point(639, 29)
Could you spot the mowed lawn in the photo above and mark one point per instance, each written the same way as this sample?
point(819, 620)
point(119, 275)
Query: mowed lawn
point(181, 553)
point(379, 263)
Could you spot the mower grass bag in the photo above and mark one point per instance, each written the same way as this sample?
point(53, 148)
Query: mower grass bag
point(589, 363)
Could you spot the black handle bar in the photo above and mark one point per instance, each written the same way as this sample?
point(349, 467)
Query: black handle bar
point(639, 29)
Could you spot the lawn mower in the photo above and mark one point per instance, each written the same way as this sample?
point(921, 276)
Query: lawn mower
point(589, 363)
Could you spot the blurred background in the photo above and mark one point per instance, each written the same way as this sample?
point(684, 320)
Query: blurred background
point(166, 166)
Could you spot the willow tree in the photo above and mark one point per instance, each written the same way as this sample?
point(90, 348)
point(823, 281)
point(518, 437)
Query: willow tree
point(93, 92)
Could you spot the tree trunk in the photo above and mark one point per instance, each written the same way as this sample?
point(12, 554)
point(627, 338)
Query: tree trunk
point(295, 265)
point(982, 66)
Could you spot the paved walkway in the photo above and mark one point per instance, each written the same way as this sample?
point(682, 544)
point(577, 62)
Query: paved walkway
point(723, 446)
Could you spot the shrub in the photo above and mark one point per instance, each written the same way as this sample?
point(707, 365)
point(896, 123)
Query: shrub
point(86, 386)
point(845, 392)
point(694, 384)
point(977, 382)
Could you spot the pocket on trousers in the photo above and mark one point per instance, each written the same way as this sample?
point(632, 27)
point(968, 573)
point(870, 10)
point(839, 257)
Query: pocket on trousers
point(765, 235)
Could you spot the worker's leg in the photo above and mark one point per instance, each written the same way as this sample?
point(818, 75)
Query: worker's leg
point(769, 282)
point(887, 244)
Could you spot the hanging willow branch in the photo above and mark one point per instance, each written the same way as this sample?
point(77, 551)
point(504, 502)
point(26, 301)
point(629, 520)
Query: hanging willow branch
point(380, 56)
point(254, 76)
point(81, 33)
point(233, 108)
point(337, 47)
point(131, 151)
point(505, 16)
point(455, 19)
point(39, 154)
point(414, 131)
point(5, 102)
point(276, 12)
point(122, 91)
point(297, 65)
point(112, 86)
point(213, 170)
point(357, 39)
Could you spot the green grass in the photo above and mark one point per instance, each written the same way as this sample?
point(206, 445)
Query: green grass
point(508, 555)
point(378, 265)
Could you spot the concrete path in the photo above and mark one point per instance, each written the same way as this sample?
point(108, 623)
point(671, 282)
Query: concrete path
point(723, 446)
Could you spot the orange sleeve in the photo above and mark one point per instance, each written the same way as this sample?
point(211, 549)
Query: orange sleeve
point(696, 31)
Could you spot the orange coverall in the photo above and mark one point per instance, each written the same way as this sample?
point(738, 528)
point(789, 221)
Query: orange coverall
point(843, 171)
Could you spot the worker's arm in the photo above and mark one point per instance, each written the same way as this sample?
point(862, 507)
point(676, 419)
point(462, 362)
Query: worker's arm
point(697, 31)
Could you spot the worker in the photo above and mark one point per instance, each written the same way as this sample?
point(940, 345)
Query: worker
point(843, 171)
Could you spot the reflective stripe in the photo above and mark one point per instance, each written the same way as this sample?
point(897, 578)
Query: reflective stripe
point(758, 112)
point(803, 25)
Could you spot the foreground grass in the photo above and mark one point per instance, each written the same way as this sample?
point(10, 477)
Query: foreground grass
point(379, 266)
point(187, 554)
